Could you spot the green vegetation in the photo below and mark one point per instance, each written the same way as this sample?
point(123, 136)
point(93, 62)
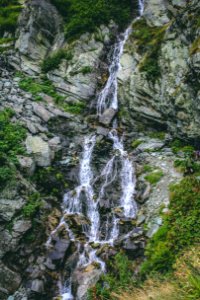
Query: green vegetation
point(52, 62)
point(83, 70)
point(154, 177)
point(136, 143)
point(181, 227)
point(32, 205)
point(148, 40)
point(9, 13)
point(86, 15)
point(147, 168)
point(11, 138)
point(39, 87)
point(157, 135)
point(119, 276)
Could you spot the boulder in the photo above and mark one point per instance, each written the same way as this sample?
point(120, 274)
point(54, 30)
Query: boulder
point(41, 112)
point(40, 150)
point(27, 164)
point(107, 117)
point(9, 208)
point(85, 279)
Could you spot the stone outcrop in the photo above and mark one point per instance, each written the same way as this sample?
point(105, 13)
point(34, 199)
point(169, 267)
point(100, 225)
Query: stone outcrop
point(171, 100)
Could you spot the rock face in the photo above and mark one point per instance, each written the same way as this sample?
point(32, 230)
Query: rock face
point(40, 150)
point(158, 90)
point(169, 101)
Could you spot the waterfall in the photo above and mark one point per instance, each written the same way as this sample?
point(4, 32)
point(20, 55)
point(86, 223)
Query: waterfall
point(98, 231)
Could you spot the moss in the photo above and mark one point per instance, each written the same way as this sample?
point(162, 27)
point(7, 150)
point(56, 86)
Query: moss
point(52, 62)
point(154, 177)
point(147, 168)
point(148, 41)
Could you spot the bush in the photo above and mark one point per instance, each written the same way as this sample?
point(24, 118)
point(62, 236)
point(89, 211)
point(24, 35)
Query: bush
point(9, 13)
point(154, 177)
point(52, 62)
point(119, 276)
point(86, 15)
point(11, 138)
point(32, 205)
point(148, 40)
point(181, 227)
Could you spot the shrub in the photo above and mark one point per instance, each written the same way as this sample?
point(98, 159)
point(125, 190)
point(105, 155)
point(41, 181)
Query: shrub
point(32, 205)
point(86, 15)
point(154, 176)
point(52, 62)
point(136, 143)
point(181, 227)
point(119, 276)
point(148, 40)
point(11, 138)
point(9, 13)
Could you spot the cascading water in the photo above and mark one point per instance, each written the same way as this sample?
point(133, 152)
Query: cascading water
point(98, 231)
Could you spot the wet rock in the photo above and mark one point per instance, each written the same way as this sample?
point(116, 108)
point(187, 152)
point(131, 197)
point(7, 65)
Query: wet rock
point(55, 144)
point(107, 117)
point(40, 150)
point(37, 286)
point(85, 279)
point(102, 131)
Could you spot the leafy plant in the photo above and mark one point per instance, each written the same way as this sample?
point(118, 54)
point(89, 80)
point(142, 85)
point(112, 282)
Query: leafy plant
point(11, 138)
point(52, 62)
point(181, 227)
point(154, 176)
point(86, 15)
point(9, 13)
point(32, 205)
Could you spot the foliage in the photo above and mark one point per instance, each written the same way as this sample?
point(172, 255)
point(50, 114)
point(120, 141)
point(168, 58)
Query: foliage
point(157, 135)
point(32, 205)
point(136, 143)
point(154, 176)
point(118, 277)
point(11, 138)
point(52, 62)
point(195, 47)
point(86, 15)
point(148, 41)
point(9, 13)
point(147, 168)
point(39, 87)
point(181, 227)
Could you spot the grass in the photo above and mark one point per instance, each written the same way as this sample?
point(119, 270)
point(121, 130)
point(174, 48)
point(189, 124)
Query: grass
point(11, 139)
point(154, 177)
point(181, 227)
point(82, 16)
point(52, 62)
point(157, 135)
point(39, 87)
point(195, 47)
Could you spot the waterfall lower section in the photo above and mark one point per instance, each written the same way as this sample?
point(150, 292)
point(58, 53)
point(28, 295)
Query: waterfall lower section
point(99, 227)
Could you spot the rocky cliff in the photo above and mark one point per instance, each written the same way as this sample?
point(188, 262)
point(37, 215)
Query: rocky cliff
point(49, 87)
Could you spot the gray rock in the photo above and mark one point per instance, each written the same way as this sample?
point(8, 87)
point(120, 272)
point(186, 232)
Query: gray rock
point(27, 164)
point(37, 286)
point(41, 112)
point(108, 115)
point(9, 208)
point(40, 150)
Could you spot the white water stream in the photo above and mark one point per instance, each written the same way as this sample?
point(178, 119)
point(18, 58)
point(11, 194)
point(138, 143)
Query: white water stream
point(72, 203)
